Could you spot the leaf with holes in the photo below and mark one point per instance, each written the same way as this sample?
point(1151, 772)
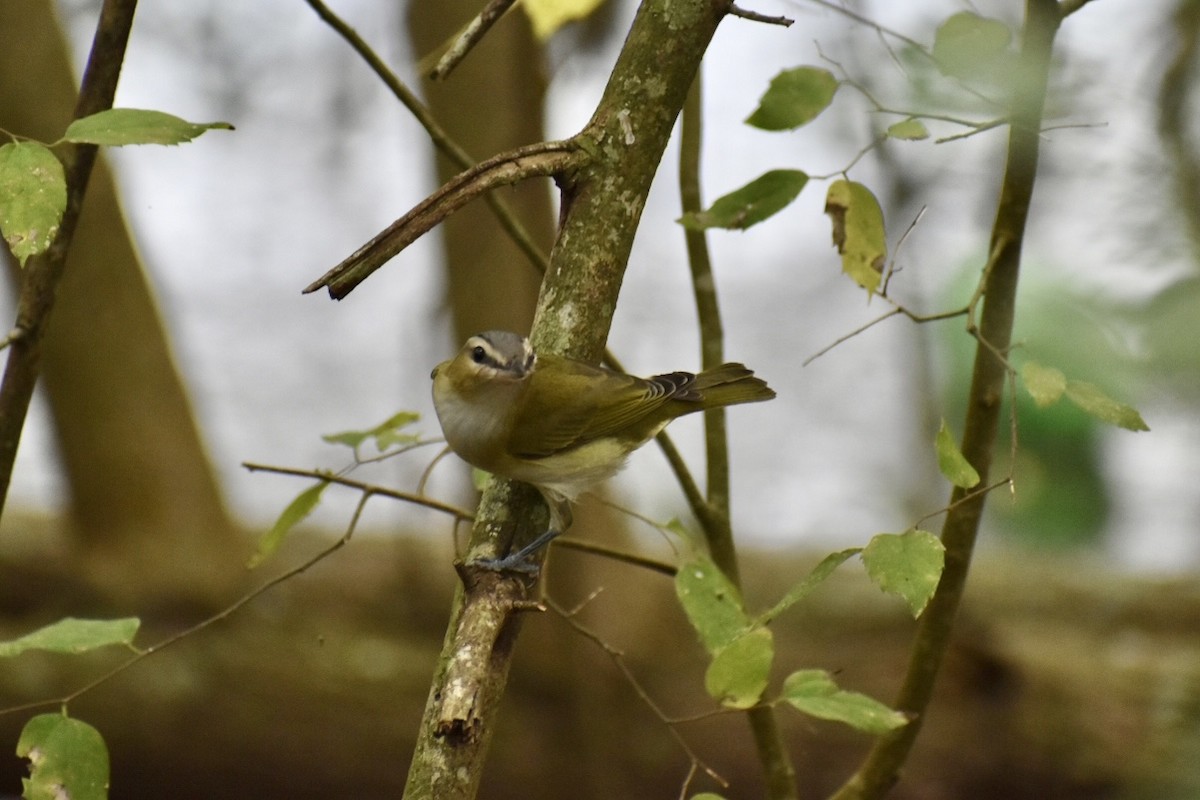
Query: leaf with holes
point(67, 759)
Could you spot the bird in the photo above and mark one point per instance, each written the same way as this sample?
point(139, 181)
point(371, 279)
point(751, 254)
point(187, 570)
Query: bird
point(560, 424)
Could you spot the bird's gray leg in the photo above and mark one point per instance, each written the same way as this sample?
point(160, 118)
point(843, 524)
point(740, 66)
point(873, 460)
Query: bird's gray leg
point(560, 520)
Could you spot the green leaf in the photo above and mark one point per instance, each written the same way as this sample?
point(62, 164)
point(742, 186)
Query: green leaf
point(1092, 400)
point(764, 196)
point(33, 196)
point(970, 46)
point(814, 579)
point(909, 130)
point(67, 759)
point(814, 692)
point(1045, 384)
point(794, 98)
point(907, 564)
point(386, 434)
point(713, 605)
point(295, 512)
point(858, 232)
point(121, 126)
point(548, 16)
point(71, 635)
point(707, 796)
point(951, 461)
point(739, 672)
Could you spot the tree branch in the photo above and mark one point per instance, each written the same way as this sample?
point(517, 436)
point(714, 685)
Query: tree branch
point(881, 768)
point(539, 160)
point(44, 271)
point(471, 35)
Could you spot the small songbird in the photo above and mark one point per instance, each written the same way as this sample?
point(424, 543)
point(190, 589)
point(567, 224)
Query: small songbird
point(563, 425)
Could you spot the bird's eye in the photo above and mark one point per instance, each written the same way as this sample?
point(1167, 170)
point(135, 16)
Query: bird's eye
point(478, 354)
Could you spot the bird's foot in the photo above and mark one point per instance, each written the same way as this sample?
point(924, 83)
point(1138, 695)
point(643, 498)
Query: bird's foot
point(519, 561)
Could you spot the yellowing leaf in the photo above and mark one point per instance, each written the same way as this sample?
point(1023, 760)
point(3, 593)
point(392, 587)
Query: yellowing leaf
point(33, 196)
point(547, 16)
point(907, 564)
point(739, 672)
point(762, 197)
point(1095, 402)
point(858, 232)
point(1045, 384)
point(951, 462)
point(794, 98)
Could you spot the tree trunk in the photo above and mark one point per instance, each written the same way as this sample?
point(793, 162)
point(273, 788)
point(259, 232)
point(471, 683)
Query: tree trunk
point(146, 510)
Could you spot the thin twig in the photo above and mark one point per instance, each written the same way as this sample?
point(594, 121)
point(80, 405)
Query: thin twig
point(754, 16)
point(471, 36)
point(440, 138)
point(223, 614)
point(618, 658)
point(543, 159)
point(395, 494)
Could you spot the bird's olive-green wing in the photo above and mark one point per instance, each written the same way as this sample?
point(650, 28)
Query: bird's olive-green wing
point(570, 403)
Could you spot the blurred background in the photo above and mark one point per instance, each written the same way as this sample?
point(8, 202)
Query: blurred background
point(1076, 673)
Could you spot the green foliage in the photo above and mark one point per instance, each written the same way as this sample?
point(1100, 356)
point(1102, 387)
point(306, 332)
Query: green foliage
point(67, 759)
point(712, 603)
point(814, 692)
point(951, 462)
point(33, 187)
point(71, 635)
point(907, 564)
point(296, 511)
point(908, 129)
point(858, 232)
point(971, 47)
point(387, 434)
point(33, 196)
point(763, 197)
point(1095, 402)
point(794, 98)
point(739, 671)
point(805, 587)
point(121, 126)
point(1047, 385)
point(743, 649)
